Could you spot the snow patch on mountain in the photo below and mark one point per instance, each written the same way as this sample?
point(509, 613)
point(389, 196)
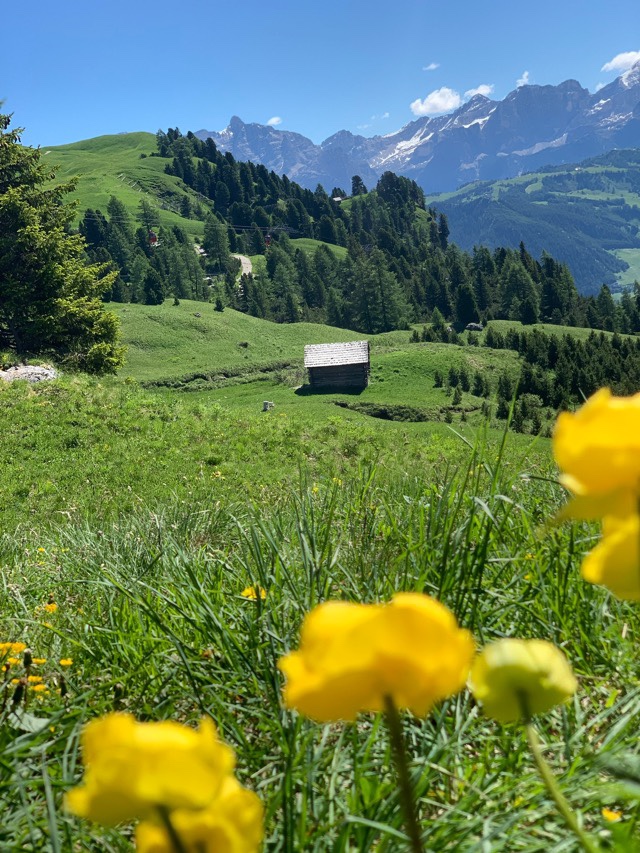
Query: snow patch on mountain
point(482, 139)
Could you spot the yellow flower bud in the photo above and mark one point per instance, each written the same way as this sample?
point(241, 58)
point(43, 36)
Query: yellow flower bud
point(514, 679)
point(352, 656)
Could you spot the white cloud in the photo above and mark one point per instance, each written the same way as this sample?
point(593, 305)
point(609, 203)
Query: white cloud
point(524, 80)
point(274, 121)
point(378, 117)
point(623, 61)
point(431, 66)
point(439, 101)
point(485, 89)
point(600, 86)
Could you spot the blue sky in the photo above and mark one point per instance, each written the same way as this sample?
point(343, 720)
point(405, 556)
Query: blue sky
point(70, 70)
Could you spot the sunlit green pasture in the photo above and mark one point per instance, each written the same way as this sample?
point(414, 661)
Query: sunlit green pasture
point(143, 512)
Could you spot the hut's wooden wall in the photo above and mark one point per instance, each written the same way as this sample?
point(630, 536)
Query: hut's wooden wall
point(340, 376)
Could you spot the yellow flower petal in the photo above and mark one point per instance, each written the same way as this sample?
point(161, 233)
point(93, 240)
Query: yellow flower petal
point(598, 447)
point(231, 823)
point(132, 768)
point(611, 815)
point(352, 656)
point(615, 561)
point(252, 592)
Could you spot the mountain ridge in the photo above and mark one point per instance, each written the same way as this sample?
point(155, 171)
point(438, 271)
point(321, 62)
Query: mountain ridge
point(483, 139)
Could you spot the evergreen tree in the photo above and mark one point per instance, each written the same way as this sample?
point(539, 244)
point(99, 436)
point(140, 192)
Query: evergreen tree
point(216, 243)
point(357, 186)
point(148, 214)
point(49, 298)
point(152, 288)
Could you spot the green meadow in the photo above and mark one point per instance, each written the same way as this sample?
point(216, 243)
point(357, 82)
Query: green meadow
point(122, 166)
point(142, 505)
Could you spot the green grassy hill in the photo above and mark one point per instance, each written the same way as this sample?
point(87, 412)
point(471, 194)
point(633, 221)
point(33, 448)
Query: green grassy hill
point(586, 214)
point(239, 361)
point(122, 165)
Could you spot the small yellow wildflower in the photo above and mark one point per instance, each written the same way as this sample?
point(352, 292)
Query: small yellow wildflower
point(597, 450)
point(39, 661)
point(12, 648)
point(66, 661)
point(40, 688)
point(51, 607)
point(611, 815)
point(252, 592)
point(42, 551)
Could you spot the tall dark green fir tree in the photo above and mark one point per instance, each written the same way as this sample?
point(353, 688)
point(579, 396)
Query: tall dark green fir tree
point(50, 299)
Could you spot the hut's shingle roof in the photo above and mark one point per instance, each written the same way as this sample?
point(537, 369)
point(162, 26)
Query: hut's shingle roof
point(327, 355)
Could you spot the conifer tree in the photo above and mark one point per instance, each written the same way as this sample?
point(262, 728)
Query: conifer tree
point(50, 300)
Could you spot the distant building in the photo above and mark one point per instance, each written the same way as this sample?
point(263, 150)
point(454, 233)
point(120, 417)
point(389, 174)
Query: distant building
point(338, 365)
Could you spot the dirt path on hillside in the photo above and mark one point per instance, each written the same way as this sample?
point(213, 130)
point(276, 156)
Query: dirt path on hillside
point(247, 266)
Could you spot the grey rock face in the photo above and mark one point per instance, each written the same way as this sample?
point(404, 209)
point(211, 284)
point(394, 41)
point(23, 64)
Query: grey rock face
point(482, 140)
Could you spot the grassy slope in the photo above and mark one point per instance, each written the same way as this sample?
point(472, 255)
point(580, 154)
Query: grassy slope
point(157, 510)
point(169, 340)
point(111, 165)
point(146, 513)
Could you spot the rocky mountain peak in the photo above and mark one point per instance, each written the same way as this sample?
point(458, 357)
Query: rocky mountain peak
point(483, 139)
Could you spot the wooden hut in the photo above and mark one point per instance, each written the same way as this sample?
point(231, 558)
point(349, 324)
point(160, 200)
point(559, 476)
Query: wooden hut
point(338, 365)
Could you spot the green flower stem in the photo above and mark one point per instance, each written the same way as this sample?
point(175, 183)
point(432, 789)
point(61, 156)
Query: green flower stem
point(399, 751)
point(176, 841)
point(556, 794)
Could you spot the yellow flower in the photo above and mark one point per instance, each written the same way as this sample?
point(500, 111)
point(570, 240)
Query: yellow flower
point(598, 450)
point(51, 607)
point(40, 688)
point(39, 661)
point(252, 592)
point(231, 823)
point(134, 768)
point(66, 662)
point(615, 561)
point(513, 679)
point(11, 648)
point(32, 679)
point(352, 656)
point(611, 815)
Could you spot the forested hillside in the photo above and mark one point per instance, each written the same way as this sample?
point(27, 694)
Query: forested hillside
point(382, 260)
point(587, 215)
